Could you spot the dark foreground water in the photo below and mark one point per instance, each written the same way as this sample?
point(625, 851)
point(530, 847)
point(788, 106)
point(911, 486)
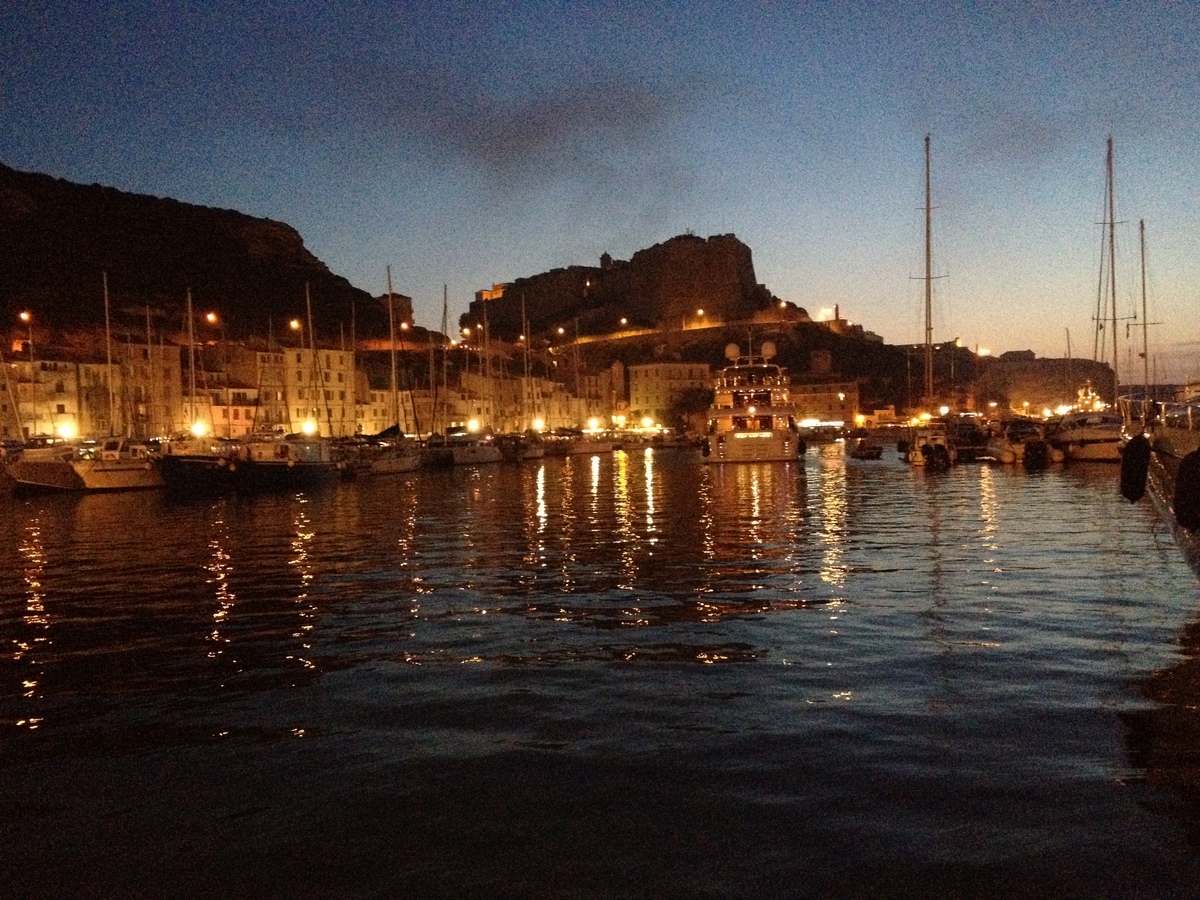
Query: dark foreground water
point(628, 676)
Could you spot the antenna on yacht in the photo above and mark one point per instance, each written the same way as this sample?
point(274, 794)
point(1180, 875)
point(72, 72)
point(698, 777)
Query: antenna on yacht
point(731, 352)
point(768, 350)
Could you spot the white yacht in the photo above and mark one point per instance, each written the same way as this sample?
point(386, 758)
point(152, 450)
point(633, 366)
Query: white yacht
point(1087, 436)
point(752, 417)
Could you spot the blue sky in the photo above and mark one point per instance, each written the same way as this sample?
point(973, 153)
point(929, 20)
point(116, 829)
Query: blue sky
point(467, 143)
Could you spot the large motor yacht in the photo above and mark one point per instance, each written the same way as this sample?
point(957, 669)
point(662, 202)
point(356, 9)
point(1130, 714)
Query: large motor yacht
point(752, 417)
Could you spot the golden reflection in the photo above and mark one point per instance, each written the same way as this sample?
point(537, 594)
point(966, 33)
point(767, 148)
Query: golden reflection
point(300, 559)
point(648, 470)
point(707, 520)
point(33, 551)
point(219, 570)
point(567, 529)
point(831, 495)
point(623, 514)
point(989, 509)
point(535, 515)
point(541, 498)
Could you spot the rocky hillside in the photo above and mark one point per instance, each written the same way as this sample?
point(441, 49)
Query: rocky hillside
point(660, 286)
point(56, 238)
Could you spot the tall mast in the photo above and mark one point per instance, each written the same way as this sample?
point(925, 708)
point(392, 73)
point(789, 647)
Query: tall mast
point(1112, 264)
point(315, 368)
point(1145, 320)
point(928, 281)
point(394, 404)
point(191, 363)
point(525, 352)
point(112, 402)
point(445, 353)
point(153, 425)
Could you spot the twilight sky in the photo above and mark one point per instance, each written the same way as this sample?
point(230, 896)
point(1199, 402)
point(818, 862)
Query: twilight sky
point(472, 143)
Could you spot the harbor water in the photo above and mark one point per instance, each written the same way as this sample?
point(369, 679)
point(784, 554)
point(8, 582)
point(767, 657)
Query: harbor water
point(628, 675)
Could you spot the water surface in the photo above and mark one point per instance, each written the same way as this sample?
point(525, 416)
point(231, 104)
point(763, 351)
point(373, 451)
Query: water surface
point(626, 675)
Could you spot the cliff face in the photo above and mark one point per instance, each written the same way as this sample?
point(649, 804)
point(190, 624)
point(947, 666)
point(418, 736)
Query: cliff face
point(661, 286)
point(56, 238)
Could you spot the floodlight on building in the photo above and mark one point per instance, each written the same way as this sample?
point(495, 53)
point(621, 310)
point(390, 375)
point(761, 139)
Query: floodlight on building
point(309, 427)
point(66, 430)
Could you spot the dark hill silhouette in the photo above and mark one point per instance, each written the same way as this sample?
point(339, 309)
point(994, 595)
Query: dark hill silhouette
point(57, 237)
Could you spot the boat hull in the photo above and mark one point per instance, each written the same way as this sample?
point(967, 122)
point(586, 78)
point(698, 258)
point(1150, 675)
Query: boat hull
point(66, 470)
point(753, 446)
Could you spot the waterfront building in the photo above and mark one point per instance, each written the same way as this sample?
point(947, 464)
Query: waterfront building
point(826, 403)
point(655, 386)
point(69, 393)
point(319, 387)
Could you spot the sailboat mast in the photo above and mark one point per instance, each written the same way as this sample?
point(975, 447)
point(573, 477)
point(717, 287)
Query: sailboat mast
point(394, 403)
point(153, 430)
point(191, 363)
point(1145, 320)
point(112, 401)
point(445, 353)
point(314, 371)
point(525, 352)
point(1112, 264)
point(928, 281)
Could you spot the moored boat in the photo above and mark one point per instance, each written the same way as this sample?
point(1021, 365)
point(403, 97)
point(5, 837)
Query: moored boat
point(392, 455)
point(194, 462)
point(520, 447)
point(929, 445)
point(752, 417)
point(573, 442)
point(1163, 454)
point(864, 449)
point(1087, 436)
point(114, 464)
point(459, 447)
point(283, 462)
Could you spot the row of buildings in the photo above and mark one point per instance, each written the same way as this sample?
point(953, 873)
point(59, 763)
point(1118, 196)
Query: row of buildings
point(147, 390)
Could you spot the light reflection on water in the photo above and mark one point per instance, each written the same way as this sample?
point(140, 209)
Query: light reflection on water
point(925, 657)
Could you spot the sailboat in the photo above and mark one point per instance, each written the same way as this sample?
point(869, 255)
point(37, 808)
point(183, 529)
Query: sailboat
point(389, 452)
point(197, 459)
point(930, 444)
point(527, 444)
point(1163, 450)
point(1089, 433)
